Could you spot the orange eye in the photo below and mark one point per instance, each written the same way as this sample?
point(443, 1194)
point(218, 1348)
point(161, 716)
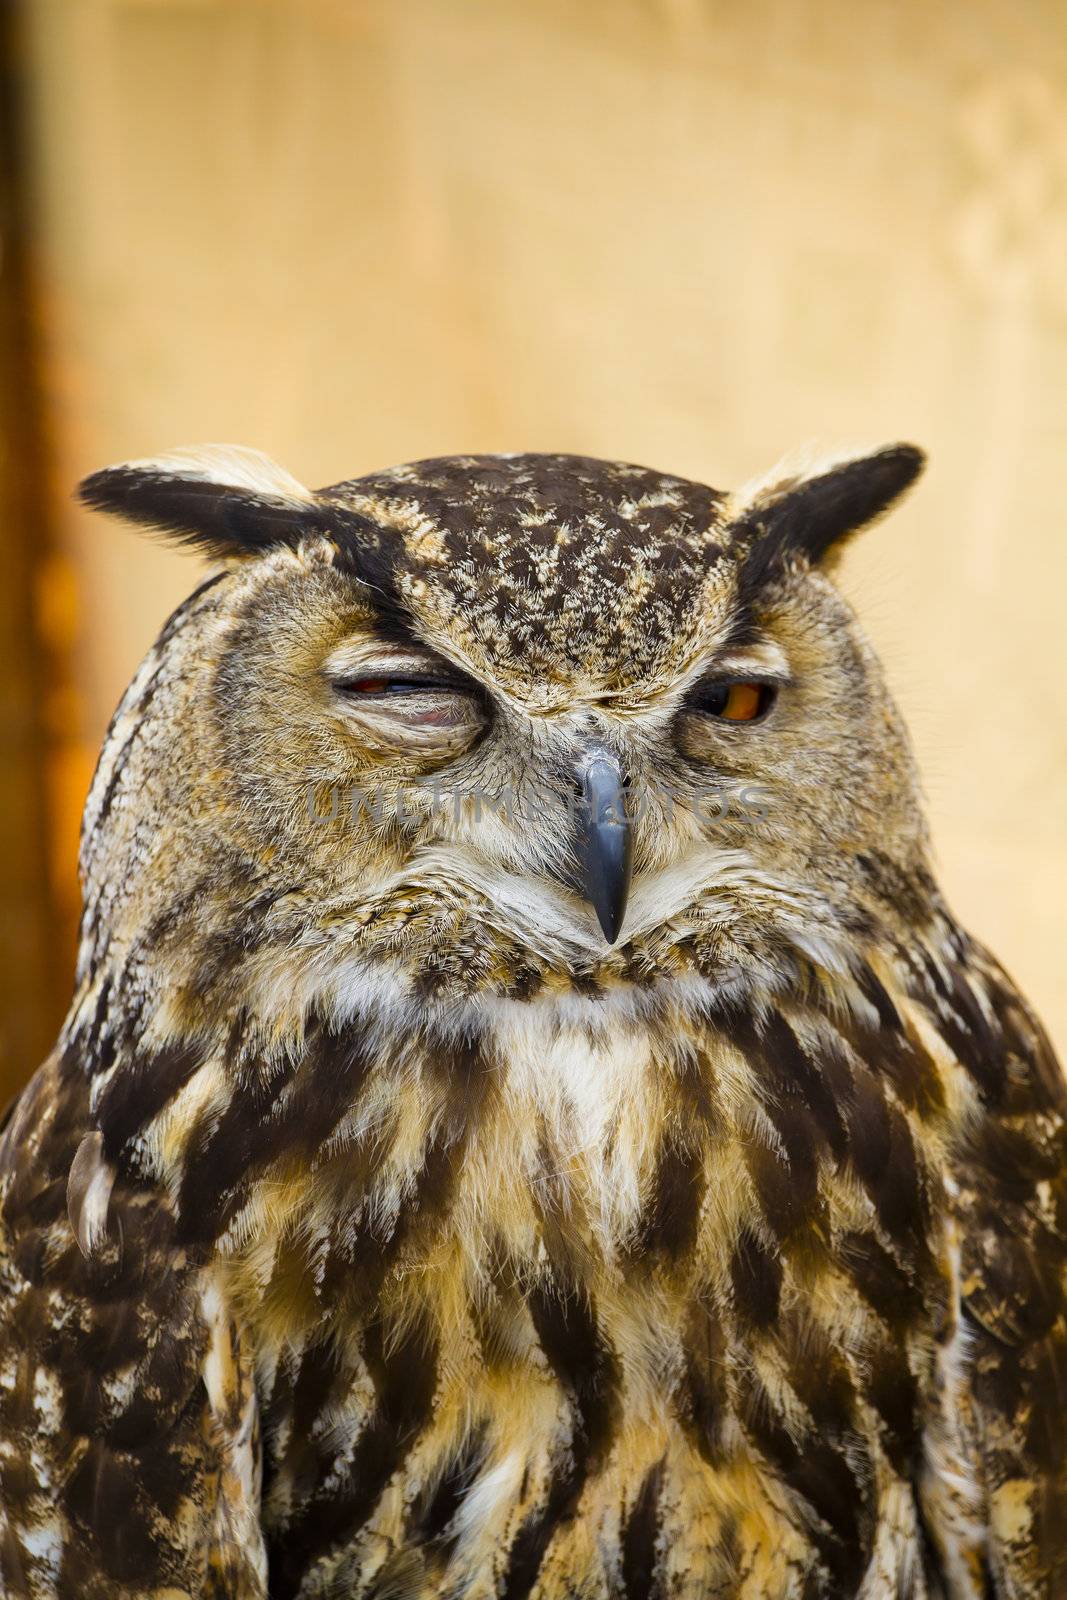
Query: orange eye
point(743, 702)
point(733, 702)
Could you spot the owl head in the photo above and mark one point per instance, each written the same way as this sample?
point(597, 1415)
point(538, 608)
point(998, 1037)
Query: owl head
point(500, 723)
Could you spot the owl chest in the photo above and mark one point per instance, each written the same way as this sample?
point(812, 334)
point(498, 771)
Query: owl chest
point(582, 1268)
point(637, 1169)
point(538, 1152)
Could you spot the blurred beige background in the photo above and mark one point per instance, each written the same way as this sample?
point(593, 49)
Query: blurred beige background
point(684, 232)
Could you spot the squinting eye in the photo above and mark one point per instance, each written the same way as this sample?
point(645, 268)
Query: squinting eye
point(734, 702)
point(412, 709)
point(395, 686)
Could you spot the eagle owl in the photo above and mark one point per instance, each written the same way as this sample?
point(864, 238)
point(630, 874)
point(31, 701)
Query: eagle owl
point(528, 1124)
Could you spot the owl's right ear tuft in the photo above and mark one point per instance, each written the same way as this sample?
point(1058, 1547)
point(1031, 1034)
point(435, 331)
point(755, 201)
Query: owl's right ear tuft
point(222, 499)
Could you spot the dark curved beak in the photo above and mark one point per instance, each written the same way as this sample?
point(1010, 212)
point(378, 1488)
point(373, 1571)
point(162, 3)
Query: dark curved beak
point(605, 842)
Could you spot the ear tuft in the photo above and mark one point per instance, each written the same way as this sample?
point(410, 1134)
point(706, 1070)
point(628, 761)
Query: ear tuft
point(808, 514)
point(223, 499)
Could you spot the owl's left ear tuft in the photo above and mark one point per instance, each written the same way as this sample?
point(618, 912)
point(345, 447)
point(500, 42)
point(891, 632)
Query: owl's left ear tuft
point(222, 499)
point(808, 514)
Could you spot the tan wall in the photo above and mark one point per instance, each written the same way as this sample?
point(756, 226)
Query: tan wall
point(685, 233)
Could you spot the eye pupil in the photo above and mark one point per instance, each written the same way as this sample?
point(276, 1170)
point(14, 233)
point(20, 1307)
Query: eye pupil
point(713, 700)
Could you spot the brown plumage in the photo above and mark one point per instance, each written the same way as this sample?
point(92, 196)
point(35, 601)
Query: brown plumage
point(379, 1226)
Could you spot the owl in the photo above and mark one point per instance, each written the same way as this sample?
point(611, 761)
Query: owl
point(528, 1124)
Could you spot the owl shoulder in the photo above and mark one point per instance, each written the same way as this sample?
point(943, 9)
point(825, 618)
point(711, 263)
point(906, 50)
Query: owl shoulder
point(1008, 1187)
point(128, 1428)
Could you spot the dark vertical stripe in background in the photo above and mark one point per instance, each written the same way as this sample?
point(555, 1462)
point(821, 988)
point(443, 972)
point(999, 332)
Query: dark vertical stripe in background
point(34, 950)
